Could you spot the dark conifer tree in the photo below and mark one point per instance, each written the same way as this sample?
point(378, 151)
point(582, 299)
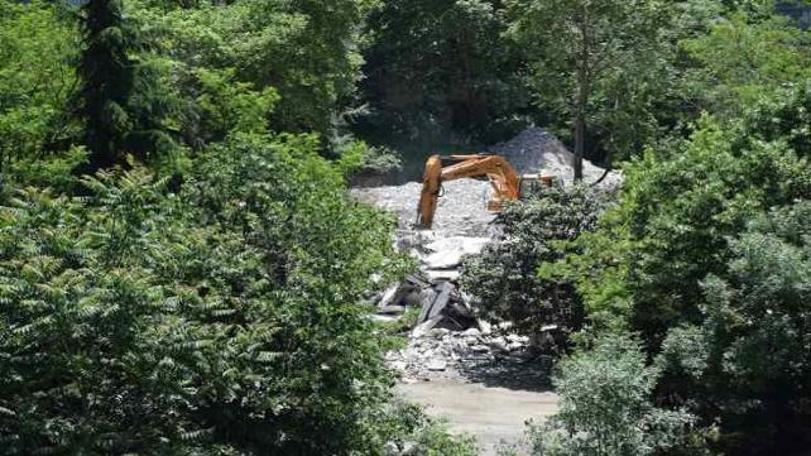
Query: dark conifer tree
point(108, 80)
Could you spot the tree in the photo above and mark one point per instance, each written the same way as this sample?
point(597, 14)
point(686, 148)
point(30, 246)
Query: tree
point(440, 68)
point(607, 406)
point(38, 46)
point(748, 361)
point(305, 50)
point(744, 60)
point(223, 318)
point(107, 72)
point(121, 100)
point(582, 51)
point(503, 279)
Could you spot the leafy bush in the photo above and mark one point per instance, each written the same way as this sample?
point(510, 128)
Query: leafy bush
point(503, 279)
point(748, 361)
point(38, 45)
point(607, 408)
point(223, 317)
point(671, 228)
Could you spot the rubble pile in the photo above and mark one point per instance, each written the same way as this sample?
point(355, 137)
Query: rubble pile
point(441, 352)
point(447, 337)
point(433, 289)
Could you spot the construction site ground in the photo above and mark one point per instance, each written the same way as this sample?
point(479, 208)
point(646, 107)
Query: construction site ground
point(482, 379)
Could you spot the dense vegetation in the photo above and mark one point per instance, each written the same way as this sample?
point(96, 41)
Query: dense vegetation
point(180, 266)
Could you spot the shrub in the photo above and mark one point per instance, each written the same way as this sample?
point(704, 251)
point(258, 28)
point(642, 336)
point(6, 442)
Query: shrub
point(222, 318)
point(606, 406)
point(503, 279)
point(671, 227)
point(748, 361)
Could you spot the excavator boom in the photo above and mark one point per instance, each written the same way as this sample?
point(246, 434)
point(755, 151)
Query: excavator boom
point(505, 181)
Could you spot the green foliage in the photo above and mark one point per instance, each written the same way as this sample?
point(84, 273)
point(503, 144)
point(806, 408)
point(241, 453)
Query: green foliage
point(503, 278)
point(670, 230)
point(744, 60)
point(305, 49)
point(599, 67)
point(37, 48)
point(748, 361)
point(225, 105)
point(221, 317)
point(607, 408)
point(435, 68)
point(119, 100)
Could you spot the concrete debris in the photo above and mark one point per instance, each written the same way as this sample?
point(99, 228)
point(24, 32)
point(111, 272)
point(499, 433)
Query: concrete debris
point(448, 252)
point(438, 353)
point(396, 310)
point(389, 296)
point(448, 334)
point(436, 365)
point(450, 275)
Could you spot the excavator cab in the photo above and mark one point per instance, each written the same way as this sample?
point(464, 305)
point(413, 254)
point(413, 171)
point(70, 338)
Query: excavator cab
point(507, 184)
point(533, 184)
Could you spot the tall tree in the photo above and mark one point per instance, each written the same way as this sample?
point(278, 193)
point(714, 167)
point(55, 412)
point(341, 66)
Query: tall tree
point(580, 50)
point(108, 79)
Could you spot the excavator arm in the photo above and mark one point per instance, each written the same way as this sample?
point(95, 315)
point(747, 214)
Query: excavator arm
point(502, 176)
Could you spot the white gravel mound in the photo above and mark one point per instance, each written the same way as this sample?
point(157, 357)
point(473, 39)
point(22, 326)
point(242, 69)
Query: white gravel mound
point(537, 151)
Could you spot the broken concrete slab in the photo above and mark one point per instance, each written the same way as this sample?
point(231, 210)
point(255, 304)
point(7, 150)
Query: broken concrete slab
point(423, 329)
point(389, 296)
point(391, 310)
point(448, 252)
point(441, 301)
point(443, 275)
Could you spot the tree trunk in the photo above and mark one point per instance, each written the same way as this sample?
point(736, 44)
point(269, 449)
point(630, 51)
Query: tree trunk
point(579, 144)
point(583, 87)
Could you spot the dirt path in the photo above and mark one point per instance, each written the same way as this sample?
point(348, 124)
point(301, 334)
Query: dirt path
point(491, 414)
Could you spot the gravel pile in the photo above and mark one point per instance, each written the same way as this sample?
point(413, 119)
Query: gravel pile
point(537, 151)
point(461, 212)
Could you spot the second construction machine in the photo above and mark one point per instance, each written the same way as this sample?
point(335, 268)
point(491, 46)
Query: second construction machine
point(507, 184)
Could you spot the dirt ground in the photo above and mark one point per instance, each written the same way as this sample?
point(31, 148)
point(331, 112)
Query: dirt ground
point(491, 414)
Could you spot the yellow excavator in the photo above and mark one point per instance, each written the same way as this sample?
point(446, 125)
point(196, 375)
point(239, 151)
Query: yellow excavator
point(507, 184)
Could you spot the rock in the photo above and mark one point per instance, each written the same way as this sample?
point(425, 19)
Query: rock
point(505, 325)
point(391, 449)
point(410, 449)
point(485, 327)
point(448, 252)
point(443, 275)
point(424, 328)
point(499, 343)
point(389, 296)
point(437, 365)
point(439, 333)
point(472, 332)
point(384, 318)
point(462, 310)
point(535, 150)
point(391, 310)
